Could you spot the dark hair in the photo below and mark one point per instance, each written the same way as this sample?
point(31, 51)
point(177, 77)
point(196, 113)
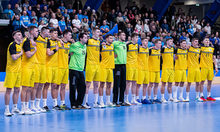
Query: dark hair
point(169, 39)
point(206, 37)
point(81, 35)
point(17, 31)
point(53, 30)
point(44, 28)
point(95, 28)
point(134, 35)
point(157, 40)
point(121, 33)
point(183, 41)
point(108, 35)
point(66, 32)
point(31, 28)
point(194, 39)
point(143, 38)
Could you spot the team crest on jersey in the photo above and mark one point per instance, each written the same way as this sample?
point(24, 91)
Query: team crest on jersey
point(210, 49)
point(104, 47)
point(198, 50)
point(111, 46)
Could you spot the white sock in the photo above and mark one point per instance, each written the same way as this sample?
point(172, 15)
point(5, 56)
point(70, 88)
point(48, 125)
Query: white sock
point(38, 102)
point(162, 96)
point(54, 102)
point(96, 98)
point(126, 98)
point(175, 92)
point(143, 97)
point(32, 104)
point(108, 99)
point(101, 99)
point(197, 94)
point(201, 94)
point(133, 97)
point(6, 108)
point(22, 106)
point(170, 95)
point(208, 94)
point(15, 106)
point(155, 97)
point(181, 91)
point(137, 97)
point(187, 95)
point(62, 102)
point(27, 105)
point(86, 98)
point(44, 102)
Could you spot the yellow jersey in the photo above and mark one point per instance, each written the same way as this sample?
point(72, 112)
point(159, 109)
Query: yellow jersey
point(143, 56)
point(181, 62)
point(206, 59)
point(154, 59)
point(167, 57)
point(93, 52)
point(107, 56)
point(63, 55)
point(28, 62)
point(41, 49)
point(13, 65)
point(132, 55)
point(52, 61)
point(193, 58)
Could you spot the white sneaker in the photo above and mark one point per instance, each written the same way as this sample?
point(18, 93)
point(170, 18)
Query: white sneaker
point(15, 111)
point(199, 99)
point(41, 110)
point(34, 109)
point(127, 102)
point(8, 113)
point(96, 105)
point(175, 100)
point(181, 99)
point(135, 102)
point(110, 104)
point(187, 100)
point(102, 105)
point(86, 105)
point(22, 112)
point(170, 99)
point(28, 112)
point(163, 100)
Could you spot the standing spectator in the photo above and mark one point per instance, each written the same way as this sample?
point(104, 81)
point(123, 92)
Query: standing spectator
point(16, 23)
point(85, 23)
point(59, 14)
point(43, 18)
point(138, 27)
point(146, 27)
point(54, 21)
point(33, 15)
point(165, 25)
point(9, 14)
point(65, 14)
point(62, 25)
point(62, 7)
point(207, 28)
point(104, 28)
point(16, 10)
point(80, 15)
point(76, 22)
point(112, 18)
point(33, 23)
point(25, 21)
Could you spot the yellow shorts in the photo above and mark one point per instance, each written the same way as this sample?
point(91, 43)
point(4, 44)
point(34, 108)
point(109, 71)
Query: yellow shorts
point(131, 74)
point(106, 75)
point(40, 76)
point(143, 77)
point(194, 75)
point(154, 77)
point(52, 75)
point(207, 74)
point(28, 77)
point(167, 75)
point(92, 73)
point(63, 75)
point(180, 76)
point(12, 79)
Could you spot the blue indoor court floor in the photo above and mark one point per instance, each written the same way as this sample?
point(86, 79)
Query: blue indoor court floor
point(170, 117)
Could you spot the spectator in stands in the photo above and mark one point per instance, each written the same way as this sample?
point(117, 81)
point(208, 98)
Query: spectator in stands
point(104, 28)
point(59, 14)
point(61, 7)
point(26, 4)
point(207, 28)
point(9, 14)
point(33, 15)
point(33, 23)
point(17, 10)
point(16, 23)
point(62, 25)
point(38, 11)
point(138, 27)
point(165, 25)
point(25, 21)
point(80, 15)
point(76, 22)
point(54, 21)
point(43, 18)
point(29, 11)
point(65, 14)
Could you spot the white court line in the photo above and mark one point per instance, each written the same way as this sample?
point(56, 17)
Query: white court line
point(217, 98)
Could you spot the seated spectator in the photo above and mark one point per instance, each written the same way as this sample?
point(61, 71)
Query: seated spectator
point(80, 15)
point(9, 14)
point(207, 28)
point(54, 21)
point(33, 15)
point(104, 28)
point(59, 14)
point(76, 22)
point(33, 23)
point(25, 21)
point(61, 7)
point(29, 11)
point(26, 4)
point(69, 24)
point(41, 24)
point(62, 25)
point(85, 23)
point(138, 27)
point(65, 14)
point(43, 18)
point(16, 24)
point(17, 10)
point(165, 25)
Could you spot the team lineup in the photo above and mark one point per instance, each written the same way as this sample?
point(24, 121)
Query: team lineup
point(42, 60)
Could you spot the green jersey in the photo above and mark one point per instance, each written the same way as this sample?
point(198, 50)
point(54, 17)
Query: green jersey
point(120, 50)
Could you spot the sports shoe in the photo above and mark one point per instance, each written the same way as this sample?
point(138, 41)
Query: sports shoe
point(102, 105)
point(34, 109)
point(157, 101)
point(15, 111)
point(86, 105)
point(28, 112)
point(210, 99)
point(175, 100)
point(138, 100)
point(22, 112)
point(170, 99)
point(199, 100)
point(45, 108)
point(96, 105)
point(135, 102)
point(57, 107)
point(127, 103)
point(8, 113)
point(116, 104)
point(187, 100)
point(163, 100)
point(181, 99)
point(146, 101)
point(64, 107)
point(110, 104)
point(202, 98)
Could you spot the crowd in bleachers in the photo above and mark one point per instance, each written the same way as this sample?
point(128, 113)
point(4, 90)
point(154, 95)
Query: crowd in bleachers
point(175, 23)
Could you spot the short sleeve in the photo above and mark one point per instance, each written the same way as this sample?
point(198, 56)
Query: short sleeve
point(12, 49)
point(26, 46)
point(48, 43)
